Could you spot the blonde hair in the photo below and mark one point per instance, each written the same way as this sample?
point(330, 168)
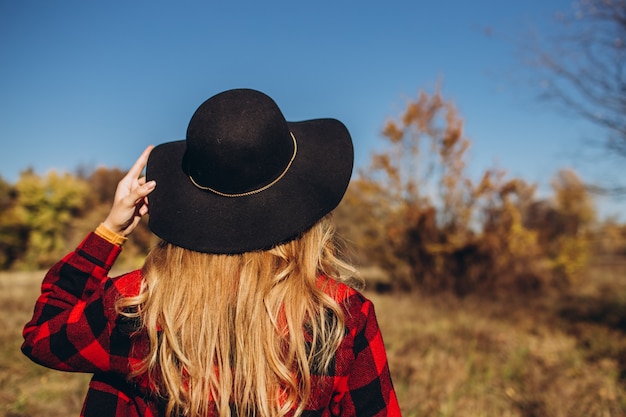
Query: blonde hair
point(242, 331)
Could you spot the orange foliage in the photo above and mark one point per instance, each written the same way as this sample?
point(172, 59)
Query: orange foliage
point(437, 229)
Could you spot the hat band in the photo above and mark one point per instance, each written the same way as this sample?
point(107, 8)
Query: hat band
point(258, 190)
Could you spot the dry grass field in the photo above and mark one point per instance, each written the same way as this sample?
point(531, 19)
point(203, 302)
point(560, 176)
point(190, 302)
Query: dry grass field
point(556, 356)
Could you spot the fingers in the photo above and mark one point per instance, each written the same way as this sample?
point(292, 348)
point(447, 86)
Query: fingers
point(137, 194)
point(144, 189)
point(140, 163)
point(143, 209)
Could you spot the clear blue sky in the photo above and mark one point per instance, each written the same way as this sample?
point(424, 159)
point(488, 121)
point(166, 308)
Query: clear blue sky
point(92, 83)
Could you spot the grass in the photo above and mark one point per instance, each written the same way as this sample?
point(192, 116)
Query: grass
point(476, 357)
point(555, 355)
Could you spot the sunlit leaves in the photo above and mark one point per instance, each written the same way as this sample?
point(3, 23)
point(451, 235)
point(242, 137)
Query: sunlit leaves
point(418, 214)
point(48, 205)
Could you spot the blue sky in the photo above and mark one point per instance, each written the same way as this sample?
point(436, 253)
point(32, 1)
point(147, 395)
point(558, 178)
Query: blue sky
point(92, 83)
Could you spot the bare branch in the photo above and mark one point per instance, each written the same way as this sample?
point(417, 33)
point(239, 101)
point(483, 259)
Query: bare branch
point(584, 68)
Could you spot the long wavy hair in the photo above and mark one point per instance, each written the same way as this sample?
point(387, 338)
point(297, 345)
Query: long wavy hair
point(241, 333)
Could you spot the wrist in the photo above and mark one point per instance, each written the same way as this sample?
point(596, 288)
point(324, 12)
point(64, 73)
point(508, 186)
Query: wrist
point(109, 235)
point(106, 223)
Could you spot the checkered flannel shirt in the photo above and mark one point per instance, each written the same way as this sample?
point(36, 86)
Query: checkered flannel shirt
point(75, 328)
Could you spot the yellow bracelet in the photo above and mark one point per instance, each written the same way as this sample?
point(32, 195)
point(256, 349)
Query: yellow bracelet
point(110, 236)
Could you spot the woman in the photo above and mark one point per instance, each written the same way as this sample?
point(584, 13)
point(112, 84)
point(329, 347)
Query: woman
point(244, 307)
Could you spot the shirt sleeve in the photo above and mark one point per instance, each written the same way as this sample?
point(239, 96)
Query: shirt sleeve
point(73, 326)
point(370, 390)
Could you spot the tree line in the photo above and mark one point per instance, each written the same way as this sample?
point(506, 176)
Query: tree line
point(414, 215)
point(44, 217)
point(417, 215)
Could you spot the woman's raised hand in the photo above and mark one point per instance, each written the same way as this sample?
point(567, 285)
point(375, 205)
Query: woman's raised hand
point(131, 198)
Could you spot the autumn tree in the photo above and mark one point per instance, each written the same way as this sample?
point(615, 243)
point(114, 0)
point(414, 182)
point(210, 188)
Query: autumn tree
point(44, 217)
point(48, 206)
point(509, 248)
point(609, 241)
point(428, 224)
point(564, 225)
point(428, 200)
point(13, 230)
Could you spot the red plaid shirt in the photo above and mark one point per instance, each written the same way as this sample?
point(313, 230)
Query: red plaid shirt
point(75, 328)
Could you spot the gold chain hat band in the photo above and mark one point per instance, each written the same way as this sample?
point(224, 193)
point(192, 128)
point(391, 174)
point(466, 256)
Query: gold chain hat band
point(258, 190)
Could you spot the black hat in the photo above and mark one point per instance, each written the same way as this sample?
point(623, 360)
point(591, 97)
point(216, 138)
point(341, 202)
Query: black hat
point(246, 179)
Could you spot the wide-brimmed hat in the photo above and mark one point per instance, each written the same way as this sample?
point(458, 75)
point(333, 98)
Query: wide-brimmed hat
point(245, 179)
